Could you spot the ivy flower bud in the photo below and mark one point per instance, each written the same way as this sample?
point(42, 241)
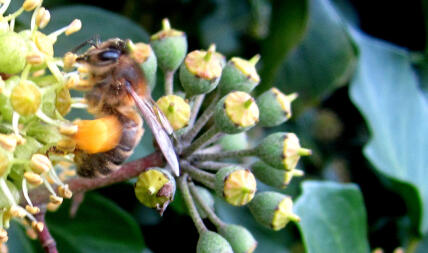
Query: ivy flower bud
point(170, 47)
point(241, 240)
point(43, 17)
point(275, 107)
point(26, 98)
point(13, 49)
point(239, 75)
point(281, 150)
point(272, 176)
point(30, 5)
point(273, 210)
point(143, 54)
point(73, 27)
point(176, 110)
point(33, 178)
point(155, 188)
point(201, 71)
point(210, 242)
point(207, 198)
point(236, 185)
point(236, 112)
point(40, 163)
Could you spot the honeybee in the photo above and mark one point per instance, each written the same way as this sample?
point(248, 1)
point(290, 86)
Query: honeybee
point(119, 87)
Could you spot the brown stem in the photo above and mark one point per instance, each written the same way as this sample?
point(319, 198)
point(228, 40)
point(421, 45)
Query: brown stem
point(79, 184)
point(46, 240)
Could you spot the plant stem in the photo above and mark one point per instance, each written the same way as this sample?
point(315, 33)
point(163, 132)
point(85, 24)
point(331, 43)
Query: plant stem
point(46, 240)
point(127, 171)
point(203, 119)
point(205, 139)
point(169, 82)
point(210, 213)
point(223, 155)
point(195, 108)
point(193, 212)
point(212, 165)
point(201, 176)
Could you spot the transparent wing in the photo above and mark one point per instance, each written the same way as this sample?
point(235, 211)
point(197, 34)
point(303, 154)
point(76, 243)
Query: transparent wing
point(161, 133)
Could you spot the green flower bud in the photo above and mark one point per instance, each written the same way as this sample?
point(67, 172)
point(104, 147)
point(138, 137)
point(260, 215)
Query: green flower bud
point(25, 98)
point(272, 176)
point(144, 55)
point(170, 47)
point(44, 133)
point(272, 210)
point(281, 150)
point(4, 203)
point(200, 72)
point(236, 112)
point(175, 109)
point(239, 75)
point(241, 240)
point(236, 185)
point(49, 102)
point(275, 107)
point(155, 188)
point(232, 142)
point(210, 242)
point(13, 49)
point(208, 199)
point(63, 101)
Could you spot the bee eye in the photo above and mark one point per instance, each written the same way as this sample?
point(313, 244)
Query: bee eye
point(109, 55)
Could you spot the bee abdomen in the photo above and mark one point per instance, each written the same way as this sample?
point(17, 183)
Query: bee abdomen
point(104, 163)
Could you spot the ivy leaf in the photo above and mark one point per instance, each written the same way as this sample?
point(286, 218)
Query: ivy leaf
point(287, 27)
point(333, 218)
point(19, 241)
point(95, 21)
point(386, 91)
point(99, 226)
point(324, 60)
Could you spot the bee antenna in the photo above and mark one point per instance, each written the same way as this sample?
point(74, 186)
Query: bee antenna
point(95, 41)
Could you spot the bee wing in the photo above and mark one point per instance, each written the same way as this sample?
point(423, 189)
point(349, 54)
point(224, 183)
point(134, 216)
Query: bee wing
point(157, 125)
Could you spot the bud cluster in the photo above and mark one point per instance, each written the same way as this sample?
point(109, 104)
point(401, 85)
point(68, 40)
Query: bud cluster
point(213, 158)
point(33, 100)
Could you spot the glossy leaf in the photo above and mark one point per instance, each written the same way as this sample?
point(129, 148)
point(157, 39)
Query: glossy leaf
point(99, 226)
point(288, 25)
point(324, 60)
point(95, 21)
point(19, 241)
point(386, 91)
point(333, 218)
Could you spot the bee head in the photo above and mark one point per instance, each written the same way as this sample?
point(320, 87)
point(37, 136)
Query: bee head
point(104, 54)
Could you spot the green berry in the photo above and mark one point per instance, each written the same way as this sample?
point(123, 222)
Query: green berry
point(176, 110)
point(272, 210)
point(239, 75)
point(13, 49)
point(25, 98)
point(143, 54)
point(155, 188)
point(236, 185)
point(170, 47)
point(241, 240)
point(281, 150)
point(272, 176)
point(236, 112)
point(201, 71)
point(232, 142)
point(275, 107)
point(208, 199)
point(210, 242)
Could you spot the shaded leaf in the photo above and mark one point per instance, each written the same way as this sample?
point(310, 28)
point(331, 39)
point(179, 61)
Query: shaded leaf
point(19, 241)
point(386, 91)
point(99, 226)
point(333, 218)
point(324, 60)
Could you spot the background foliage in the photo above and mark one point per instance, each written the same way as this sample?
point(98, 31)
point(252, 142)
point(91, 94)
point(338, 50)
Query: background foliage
point(361, 74)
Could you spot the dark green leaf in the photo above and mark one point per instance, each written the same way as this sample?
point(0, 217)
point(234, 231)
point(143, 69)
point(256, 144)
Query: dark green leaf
point(99, 226)
point(19, 241)
point(287, 26)
point(385, 89)
point(324, 60)
point(333, 218)
point(95, 21)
